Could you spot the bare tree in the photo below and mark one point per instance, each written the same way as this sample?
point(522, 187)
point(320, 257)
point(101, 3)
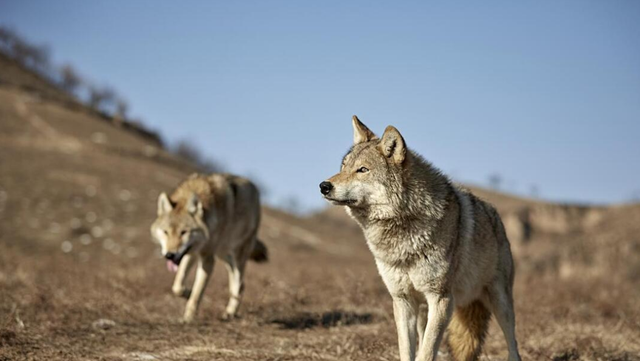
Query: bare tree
point(69, 78)
point(495, 181)
point(122, 107)
point(186, 150)
point(534, 191)
point(95, 97)
point(7, 38)
point(39, 59)
point(20, 50)
point(28, 55)
point(100, 98)
point(109, 97)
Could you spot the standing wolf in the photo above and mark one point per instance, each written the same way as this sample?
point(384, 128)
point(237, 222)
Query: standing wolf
point(442, 252)
point(209, 216)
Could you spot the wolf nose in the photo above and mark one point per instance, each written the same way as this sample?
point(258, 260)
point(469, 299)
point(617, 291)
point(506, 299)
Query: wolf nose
point(325, 187)
point(170, 256)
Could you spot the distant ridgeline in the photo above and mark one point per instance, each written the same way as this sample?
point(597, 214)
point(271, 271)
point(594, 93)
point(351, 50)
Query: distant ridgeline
point(28, 67)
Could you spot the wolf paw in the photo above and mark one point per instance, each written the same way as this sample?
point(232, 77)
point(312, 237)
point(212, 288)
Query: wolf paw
point(189, 314)
point(182, 292)
point(186, 293)
point(187, 319)
point(227, 317)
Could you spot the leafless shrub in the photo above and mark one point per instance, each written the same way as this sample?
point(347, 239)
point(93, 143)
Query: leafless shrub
point(9, 41)
point(70, 80)
point(7, 36)
point(495, 181)
point(39, 58)
point(534, 191)
point(101, 98)
point(188, 151)
point(122, 107)
point(34, 57)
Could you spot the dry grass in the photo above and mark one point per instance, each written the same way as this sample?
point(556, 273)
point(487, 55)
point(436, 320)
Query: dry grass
point(319, 298)
point(315, 308)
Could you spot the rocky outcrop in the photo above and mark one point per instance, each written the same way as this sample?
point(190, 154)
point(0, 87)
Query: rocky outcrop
point(544, 218)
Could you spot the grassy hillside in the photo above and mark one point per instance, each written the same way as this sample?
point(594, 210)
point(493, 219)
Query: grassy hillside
point(78, 193)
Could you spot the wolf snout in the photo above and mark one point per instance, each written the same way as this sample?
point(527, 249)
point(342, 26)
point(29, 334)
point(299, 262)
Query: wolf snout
point(170, 256)
point(325, 187)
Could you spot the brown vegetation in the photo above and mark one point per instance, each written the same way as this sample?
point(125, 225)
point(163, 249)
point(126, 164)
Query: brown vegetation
point(80, 278)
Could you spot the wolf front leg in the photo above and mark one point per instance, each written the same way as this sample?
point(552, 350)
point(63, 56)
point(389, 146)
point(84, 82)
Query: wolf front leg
point(405, 314)
point(423, 311)
point(203, 273)
point(183, 270)
point(439, 314)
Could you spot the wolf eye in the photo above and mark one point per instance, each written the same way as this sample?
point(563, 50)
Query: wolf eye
point(165, 232)
point(362, 170)
point(183, 232)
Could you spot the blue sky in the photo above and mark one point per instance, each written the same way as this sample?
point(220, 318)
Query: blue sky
point(543, 93)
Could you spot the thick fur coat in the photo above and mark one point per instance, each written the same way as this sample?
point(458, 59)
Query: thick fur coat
point(442, 252)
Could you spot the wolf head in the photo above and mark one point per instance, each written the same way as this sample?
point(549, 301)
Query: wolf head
point(371, 172)
point(179, 228)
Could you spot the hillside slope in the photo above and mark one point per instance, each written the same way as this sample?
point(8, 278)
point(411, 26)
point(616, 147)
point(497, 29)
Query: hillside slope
point(78, 193)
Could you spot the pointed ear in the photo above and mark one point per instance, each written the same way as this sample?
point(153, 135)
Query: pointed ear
point(392, 145)
point(164, 204)
point(361, 133)
point(194, 206)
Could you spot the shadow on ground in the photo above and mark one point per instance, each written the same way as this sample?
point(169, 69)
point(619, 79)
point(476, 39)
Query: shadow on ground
point(306, 320)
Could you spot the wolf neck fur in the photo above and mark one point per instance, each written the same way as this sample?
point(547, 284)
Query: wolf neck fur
point(400, 233)
point(418, 193)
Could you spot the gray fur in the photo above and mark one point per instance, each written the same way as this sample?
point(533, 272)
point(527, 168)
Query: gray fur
point(220, 215)
point(434, 244)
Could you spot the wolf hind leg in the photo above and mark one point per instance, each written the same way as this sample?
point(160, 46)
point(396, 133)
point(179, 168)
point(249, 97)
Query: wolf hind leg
point(235, 267)
point(500, 301)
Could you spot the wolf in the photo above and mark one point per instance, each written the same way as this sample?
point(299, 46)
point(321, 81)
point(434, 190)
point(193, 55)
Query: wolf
point(442, 253)
point(208, 217)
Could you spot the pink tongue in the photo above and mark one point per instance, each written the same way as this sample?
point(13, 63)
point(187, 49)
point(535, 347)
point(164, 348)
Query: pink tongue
point(172, 267)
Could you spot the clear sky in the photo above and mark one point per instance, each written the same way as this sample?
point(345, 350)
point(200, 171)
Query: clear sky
point(544, 93)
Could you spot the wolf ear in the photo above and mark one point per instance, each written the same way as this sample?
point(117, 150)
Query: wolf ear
point(392, 145)
point(164, 204)
point(361, 133)
point(194, 206)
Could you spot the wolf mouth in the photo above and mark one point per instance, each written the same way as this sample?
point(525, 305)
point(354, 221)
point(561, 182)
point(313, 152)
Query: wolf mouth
point(341, 202)
point(184, 249)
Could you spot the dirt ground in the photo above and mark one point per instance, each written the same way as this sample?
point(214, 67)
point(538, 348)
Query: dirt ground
point(81, 280)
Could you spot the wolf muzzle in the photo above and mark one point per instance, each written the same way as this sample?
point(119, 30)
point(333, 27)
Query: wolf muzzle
point(177, 257)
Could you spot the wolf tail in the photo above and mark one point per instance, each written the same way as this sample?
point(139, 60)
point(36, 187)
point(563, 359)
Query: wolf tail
point(467, 330)
point(260, 253)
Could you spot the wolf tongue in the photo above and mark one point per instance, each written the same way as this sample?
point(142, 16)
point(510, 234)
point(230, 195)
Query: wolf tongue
point(172, 267)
